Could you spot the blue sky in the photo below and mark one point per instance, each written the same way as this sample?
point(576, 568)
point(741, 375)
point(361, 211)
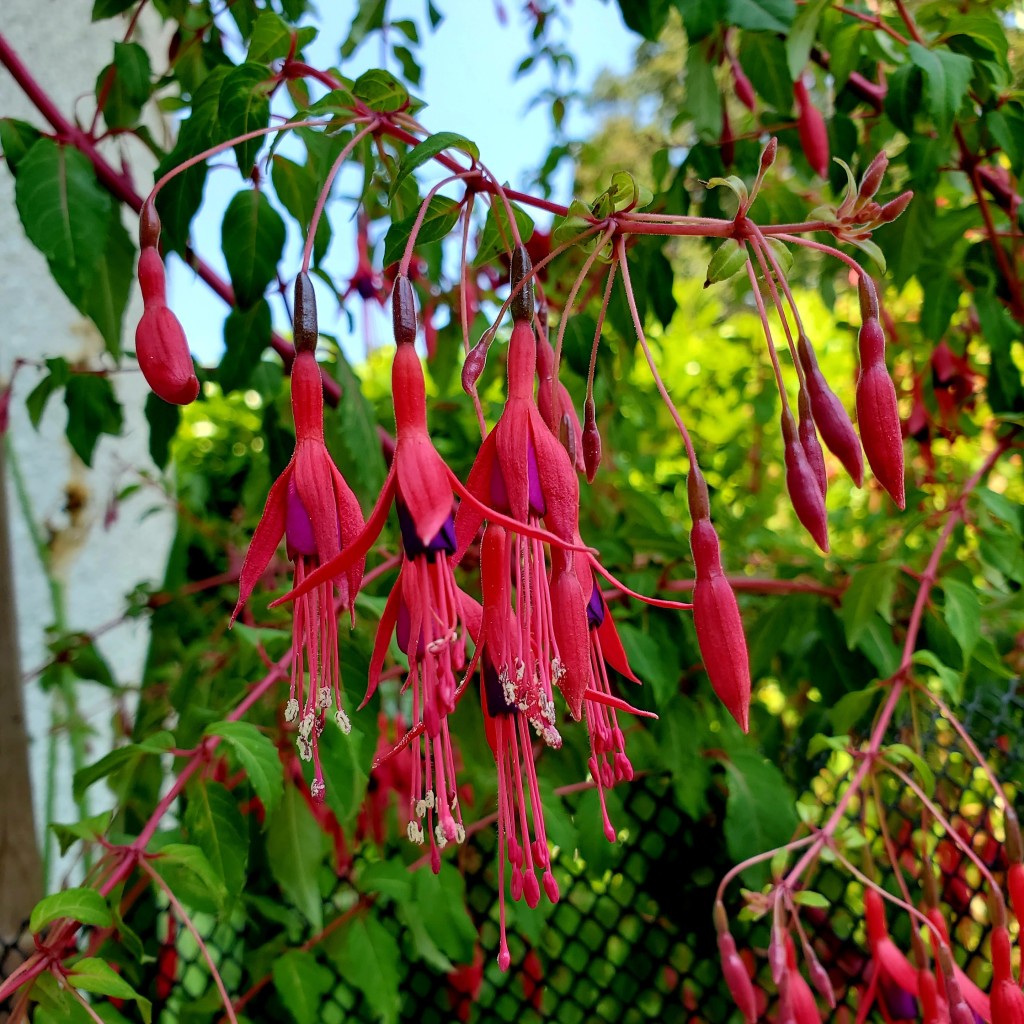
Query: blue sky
point(469, 84)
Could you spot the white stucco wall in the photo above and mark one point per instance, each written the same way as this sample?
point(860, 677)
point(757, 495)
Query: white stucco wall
point(96, 564)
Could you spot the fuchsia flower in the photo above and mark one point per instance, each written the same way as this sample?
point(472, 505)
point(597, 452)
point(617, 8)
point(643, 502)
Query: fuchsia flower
point(312, 507)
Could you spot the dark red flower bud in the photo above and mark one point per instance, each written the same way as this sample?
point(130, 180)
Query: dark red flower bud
point(804, 490)
point(809, 442)
point(744, 90)
point(727, 141)
point(812, 130)
point(892, 209)
point(473, 367)
point(768, 154)
point(304, 323)
point(716, 617)
point(830, 416)
point(878, 413)
point(872, 179)
point(1015, 885)
point(403, 312)
point(737, 978)
point(591, 440)
point(522, 305)
point(163, 356)
point(149, 226)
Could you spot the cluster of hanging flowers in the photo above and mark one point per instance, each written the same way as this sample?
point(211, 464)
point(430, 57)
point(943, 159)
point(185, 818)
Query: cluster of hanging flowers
point(542, 638)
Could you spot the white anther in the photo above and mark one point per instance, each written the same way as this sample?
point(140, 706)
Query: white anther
point(428, 799)
point(415, 833)
point(460, 833)
point(291, 710)
point(442, 839)
point(343, 722)
point(317, 789)
point(305, 747)
point(306, 724)
point(421, 808)
point(324, 698)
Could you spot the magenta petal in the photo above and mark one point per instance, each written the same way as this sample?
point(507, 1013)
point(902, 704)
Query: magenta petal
point(298, 529)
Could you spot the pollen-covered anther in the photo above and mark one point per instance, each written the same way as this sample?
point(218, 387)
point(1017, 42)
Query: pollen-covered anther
point(429, 800)
point(552, 737)
point(323, 700)
point(442, 839)
point(317, 788)
point(291, 710)
point(415, 833)
point(421, 808)
point(460, 833)
point(306, 725)
point(305, 747)
point(343, 721)
point(520, 669)
point(557, 670)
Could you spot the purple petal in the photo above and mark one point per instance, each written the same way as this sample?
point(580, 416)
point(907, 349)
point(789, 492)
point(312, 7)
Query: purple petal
point(595, 608)
point(537, 504)
point(298, 529)
point(443, 540)
point(493, 691)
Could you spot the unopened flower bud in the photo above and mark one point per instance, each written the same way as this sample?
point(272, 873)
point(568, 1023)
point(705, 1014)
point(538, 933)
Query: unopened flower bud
point(744, 90)
point(163, 356)
point(809, 442)
point(878, 413)
point(716, 618)
point(892, 209)
point(830, 416)
point(811, 128)
point(591, 440)
point(403, 311)
point(697, 495)
point(868, 296)
point(768, 153)
point(149, 226)
point(152, 279)
point(473, 367)
point(305, 330)
point(737, 978)
point(804, 490)
point(872, 179)
point(522, 305)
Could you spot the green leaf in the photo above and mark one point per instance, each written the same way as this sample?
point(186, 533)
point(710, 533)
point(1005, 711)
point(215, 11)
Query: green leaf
point(496, 236)
point(246, 336)
point(703, 96)
point(84, 905)
point(125, 85)
point(93, 975)
point(296, 187)
point(345, 763)
point(962, 613)
point(295, 850)
point(105, 299)
point(952, 684)
point(876, 643)
point(368, 958)
point(1002, 507)
point(903, 98)
point(761, 15)
point(65, 213)
point(190, 876)
point(653, 663)
point(844, 53)
point(390, 877)
point(215, 825)
point(800, 39)
point(381, 91)
point(272, 38)
point(441, 216)
point(726, 261)
point(253, 237)
point(88, 830)
point(809, 898)
point(54, 380)
point(645, 17)
point(102, 9)
point(302, 983)
point(760, 810)
point(163, 419)
point(257, 755)
point(158, 743)
point(763, 56)
point(901, 752)
point(1005, 379)
point(852, 708)
point(946, 78)
point(16, 139)
point(871, 590)
point(92, 410)
point(244, 106)
point(440, 901)
point(427, 150)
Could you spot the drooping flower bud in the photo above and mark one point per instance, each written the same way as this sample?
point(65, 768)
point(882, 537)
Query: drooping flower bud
point(306, 333)
point(804, 489)
point(591, 440)
point(522, 306)
point(830, 416)
point(149, 226)
point(737, 977)
point(744, 90)
point(164, 358)
point(892, 209)
point(878, 413)
point(403, 312)
point(812, 130)
point(809, 442)
point(152, 278)
point(474, 366)
point(716, 616)
point(959, 1011)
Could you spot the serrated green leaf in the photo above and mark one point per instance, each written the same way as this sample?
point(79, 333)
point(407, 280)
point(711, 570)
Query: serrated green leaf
point(91, 974)
point(703, 96)
point(369, 959)
point(215, 825)
point(302, 983)
point(946, 78)
point(125, 85)
point(726, 261)
point(761, 15)
point(257, 755)
point(158, 743)
point(294, 850)
point(84, 905)
point(426, 150)
point(102, 9)
point(244, 106)
point(253, 237)
point(441, 216)
point(389, 877)
point(246, 336)
point(381, 91)
point(345, 763)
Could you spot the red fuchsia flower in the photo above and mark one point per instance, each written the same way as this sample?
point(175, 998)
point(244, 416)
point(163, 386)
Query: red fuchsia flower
point(811, 127)
point(1007, 1000)
point(716, 616)
point(803, 483)
point(312, 507)
point(507, 726)
point(798, 1002)
point(734, 970)
point(975, 1004)
point(523, 471)
point(556, 406)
